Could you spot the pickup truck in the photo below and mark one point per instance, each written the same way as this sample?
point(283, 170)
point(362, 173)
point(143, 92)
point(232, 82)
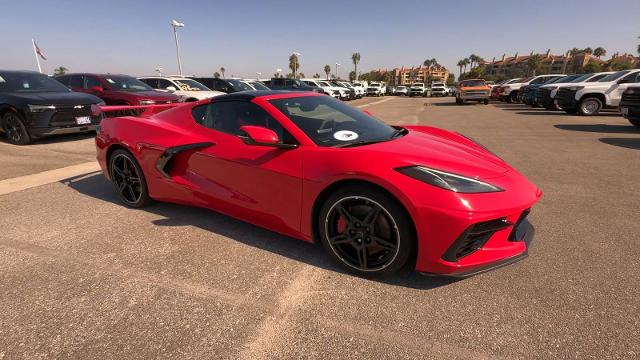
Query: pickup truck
point(588, 98)
point(376, 89)
point(630, 105)
point(418, 89)
point(438, 89)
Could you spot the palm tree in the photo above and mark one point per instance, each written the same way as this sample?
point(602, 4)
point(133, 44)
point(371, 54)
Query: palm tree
point(599, 52)
point(575, 51)
point(534, 63)
point(638, 49)
point(327, 70)
point(60, 70)
point(216, 75)
point(472, 59)
point(355, 57)
point(460, 64)
point(294, 64)
point(466, 62)
point(587, 50)
point(222, 70)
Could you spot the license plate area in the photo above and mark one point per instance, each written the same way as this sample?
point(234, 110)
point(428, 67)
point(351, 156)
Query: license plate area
point(83, 120)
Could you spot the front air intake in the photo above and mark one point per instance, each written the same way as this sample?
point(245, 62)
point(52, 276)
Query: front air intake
point(474, 238)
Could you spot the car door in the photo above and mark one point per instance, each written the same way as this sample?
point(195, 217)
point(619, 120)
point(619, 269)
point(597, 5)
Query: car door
point(260, 184)
point(616, 90)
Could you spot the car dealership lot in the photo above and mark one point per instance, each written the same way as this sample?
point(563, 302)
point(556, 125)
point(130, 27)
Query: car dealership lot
point(84, 277)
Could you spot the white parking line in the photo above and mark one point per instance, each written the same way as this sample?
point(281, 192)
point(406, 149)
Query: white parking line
point(46, 177)
point(375, 102)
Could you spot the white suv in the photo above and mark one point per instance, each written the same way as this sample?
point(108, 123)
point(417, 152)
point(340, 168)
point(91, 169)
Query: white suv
point(187, 89)
point(327, 88)
point(376, 89)
point(546, 94)
point(588, 98)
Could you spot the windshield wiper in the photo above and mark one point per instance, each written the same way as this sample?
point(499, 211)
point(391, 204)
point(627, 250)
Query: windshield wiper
point(398, 132)
point(359, 143)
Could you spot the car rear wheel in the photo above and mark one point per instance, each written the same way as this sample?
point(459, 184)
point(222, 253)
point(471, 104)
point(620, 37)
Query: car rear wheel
point(513, 97)
point(14, 129)
point(634, 122)
point(128, 179)
point(366, 231)
point(589, 106)
point(459, 101)
point(486, 101)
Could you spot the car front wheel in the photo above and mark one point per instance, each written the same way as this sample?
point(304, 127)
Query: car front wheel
point(589, 106)
point(366, 231)
point(14, 129)
point(634, 122)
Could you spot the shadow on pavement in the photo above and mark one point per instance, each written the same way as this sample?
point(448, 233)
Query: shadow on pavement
point(540, 112)
point(603, 128)
point(56, 138)
point(629, 143)
point(100, 188)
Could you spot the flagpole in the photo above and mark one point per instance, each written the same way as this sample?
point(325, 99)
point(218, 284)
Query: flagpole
point(33, 42)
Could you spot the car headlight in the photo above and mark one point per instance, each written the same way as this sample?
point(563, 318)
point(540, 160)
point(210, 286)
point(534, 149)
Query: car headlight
point(551, 88)
point(147, 102)
point(40, 108)
point(576, 88)
point(448, 181)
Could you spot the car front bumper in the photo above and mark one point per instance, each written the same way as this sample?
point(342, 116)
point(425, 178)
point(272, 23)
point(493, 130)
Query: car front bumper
point(630, 110)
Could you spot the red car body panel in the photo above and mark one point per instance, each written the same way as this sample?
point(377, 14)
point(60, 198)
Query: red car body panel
point(278, 188)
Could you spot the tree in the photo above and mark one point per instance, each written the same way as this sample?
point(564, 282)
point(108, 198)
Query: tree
point(534, 64)
point(587, 50)
point(599, 52)
point(460, 65)
point(301, 75)
point(294, 64)
point(355, 57)
point(473, 58)
point(352, 76)
point(216, 75)
point(222, 70)
point(638, 49)
point(592, 67)
point(327, 70)
point(316, 76)
point(466, 62)
point(451, 79)
point(60, 70)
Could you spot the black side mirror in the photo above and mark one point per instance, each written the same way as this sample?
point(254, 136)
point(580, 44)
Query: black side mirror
point(623, 81)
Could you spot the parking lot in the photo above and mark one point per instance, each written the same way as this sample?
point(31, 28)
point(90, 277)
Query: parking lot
point(83, 276)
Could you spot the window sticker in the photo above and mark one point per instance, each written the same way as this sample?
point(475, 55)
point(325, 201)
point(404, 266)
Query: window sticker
point(110, 81)
point(2, 79)
point(345, 135)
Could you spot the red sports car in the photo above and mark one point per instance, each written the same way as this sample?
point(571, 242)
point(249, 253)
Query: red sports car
point(377, 197)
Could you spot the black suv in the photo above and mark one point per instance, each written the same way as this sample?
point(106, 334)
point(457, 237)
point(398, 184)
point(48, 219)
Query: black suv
point(630, 105)
point(224, 85)
point(33, 105)
point(292, 84)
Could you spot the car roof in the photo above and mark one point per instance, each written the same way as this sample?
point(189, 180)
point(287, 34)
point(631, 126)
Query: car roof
point(20, 72)
point(96, 74)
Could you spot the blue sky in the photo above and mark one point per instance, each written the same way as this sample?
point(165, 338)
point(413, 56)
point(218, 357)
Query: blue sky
point(245, 37)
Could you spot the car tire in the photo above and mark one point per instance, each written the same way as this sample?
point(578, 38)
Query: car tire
point(589, 106)
point(486, 101)
point(366, 231)
point(459, 101)
point(14, 129)
point(128, 179)
point(571, 111)
point(512, 98)
point(634, 122)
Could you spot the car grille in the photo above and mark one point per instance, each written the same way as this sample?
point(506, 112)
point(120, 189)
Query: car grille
point(474, 238)
point(631, 96)
point(565, 96)
point(476, 92)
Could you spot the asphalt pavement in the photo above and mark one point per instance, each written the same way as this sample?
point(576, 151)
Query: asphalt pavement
point(83, 277)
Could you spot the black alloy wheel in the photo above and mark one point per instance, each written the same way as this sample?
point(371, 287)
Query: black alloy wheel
point(128, 179)
point(366, 231)
point(14, 129)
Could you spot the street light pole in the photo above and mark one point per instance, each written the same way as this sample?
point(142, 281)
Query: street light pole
point(175, 26)
point(337, 75)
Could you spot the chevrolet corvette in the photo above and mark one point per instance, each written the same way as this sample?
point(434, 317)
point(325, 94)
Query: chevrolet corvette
point(379, 198)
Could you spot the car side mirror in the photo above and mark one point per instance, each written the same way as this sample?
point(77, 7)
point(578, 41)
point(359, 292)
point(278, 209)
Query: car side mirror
point(171, 88)
point(258, 135)
point(623, 81)
point(97, 89)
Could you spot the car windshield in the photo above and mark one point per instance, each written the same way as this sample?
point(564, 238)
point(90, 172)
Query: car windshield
point(438, 85)
point(615, 76)
point(565, 79)
point(29, 83)
point(418, 85)
point(401, 87)
point(374, 85)
point(190, 85)
point(126, 83)
point(329, 122)
point(473, 83)
point(553, 80)
point(580, 78)
point(513, 81)
point(258, 85)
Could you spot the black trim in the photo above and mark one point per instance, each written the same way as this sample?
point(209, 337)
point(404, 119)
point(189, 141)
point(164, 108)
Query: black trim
point(164, 161)
point(527, 231)
point(473, 238)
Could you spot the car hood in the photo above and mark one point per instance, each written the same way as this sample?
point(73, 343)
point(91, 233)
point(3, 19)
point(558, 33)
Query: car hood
point(199, 94)
point(439, 149)
point(57, 98)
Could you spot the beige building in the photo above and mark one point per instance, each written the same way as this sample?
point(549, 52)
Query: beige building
point(421, 74)
point(517, 65)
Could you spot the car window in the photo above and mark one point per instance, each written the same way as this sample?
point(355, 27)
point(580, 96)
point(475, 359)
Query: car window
point(153, 82)
point(64, 80)
point(329, 122)
point(75, 81)
point(208, 82)
point(229, 116)
point(278, 82)
point(28, 82)
point(91, 81)
point(631, 78)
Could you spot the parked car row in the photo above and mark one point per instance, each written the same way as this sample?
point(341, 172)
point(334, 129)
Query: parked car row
point(582, 94)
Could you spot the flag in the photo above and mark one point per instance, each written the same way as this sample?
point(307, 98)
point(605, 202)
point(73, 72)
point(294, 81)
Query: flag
point(39, 51)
